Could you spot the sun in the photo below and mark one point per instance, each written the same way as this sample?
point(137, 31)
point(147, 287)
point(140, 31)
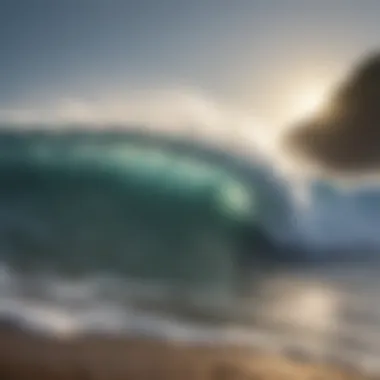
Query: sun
point(309, 101)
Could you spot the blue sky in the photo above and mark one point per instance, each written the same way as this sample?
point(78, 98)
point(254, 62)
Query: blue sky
point(252, 53)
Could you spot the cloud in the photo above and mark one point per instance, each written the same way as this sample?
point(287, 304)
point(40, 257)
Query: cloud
point(345, 136)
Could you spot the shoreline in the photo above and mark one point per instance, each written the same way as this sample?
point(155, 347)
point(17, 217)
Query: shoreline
point(29, 356)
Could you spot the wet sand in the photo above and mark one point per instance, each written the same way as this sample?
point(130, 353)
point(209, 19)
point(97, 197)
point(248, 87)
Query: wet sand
point(24, 356)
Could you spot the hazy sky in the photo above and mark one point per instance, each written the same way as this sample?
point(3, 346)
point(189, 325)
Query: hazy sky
point(258, 54)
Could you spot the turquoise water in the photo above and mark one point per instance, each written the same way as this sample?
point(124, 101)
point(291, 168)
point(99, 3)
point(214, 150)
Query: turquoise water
point(128, 209)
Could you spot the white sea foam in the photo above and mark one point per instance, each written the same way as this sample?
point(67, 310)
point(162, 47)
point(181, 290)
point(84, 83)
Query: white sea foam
point(324, 314)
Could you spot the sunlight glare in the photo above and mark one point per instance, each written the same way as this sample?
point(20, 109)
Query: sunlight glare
point(309, 101)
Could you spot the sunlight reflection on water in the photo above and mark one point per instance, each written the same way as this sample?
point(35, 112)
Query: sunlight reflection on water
point(323, 313)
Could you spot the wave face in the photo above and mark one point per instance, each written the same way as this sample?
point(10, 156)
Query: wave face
point(147, 215)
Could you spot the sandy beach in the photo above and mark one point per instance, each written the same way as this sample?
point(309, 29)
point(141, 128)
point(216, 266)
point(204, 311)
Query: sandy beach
point(34, 357)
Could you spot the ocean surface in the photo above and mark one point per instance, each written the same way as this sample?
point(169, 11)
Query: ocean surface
point(78, 256)
point(314, 314)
